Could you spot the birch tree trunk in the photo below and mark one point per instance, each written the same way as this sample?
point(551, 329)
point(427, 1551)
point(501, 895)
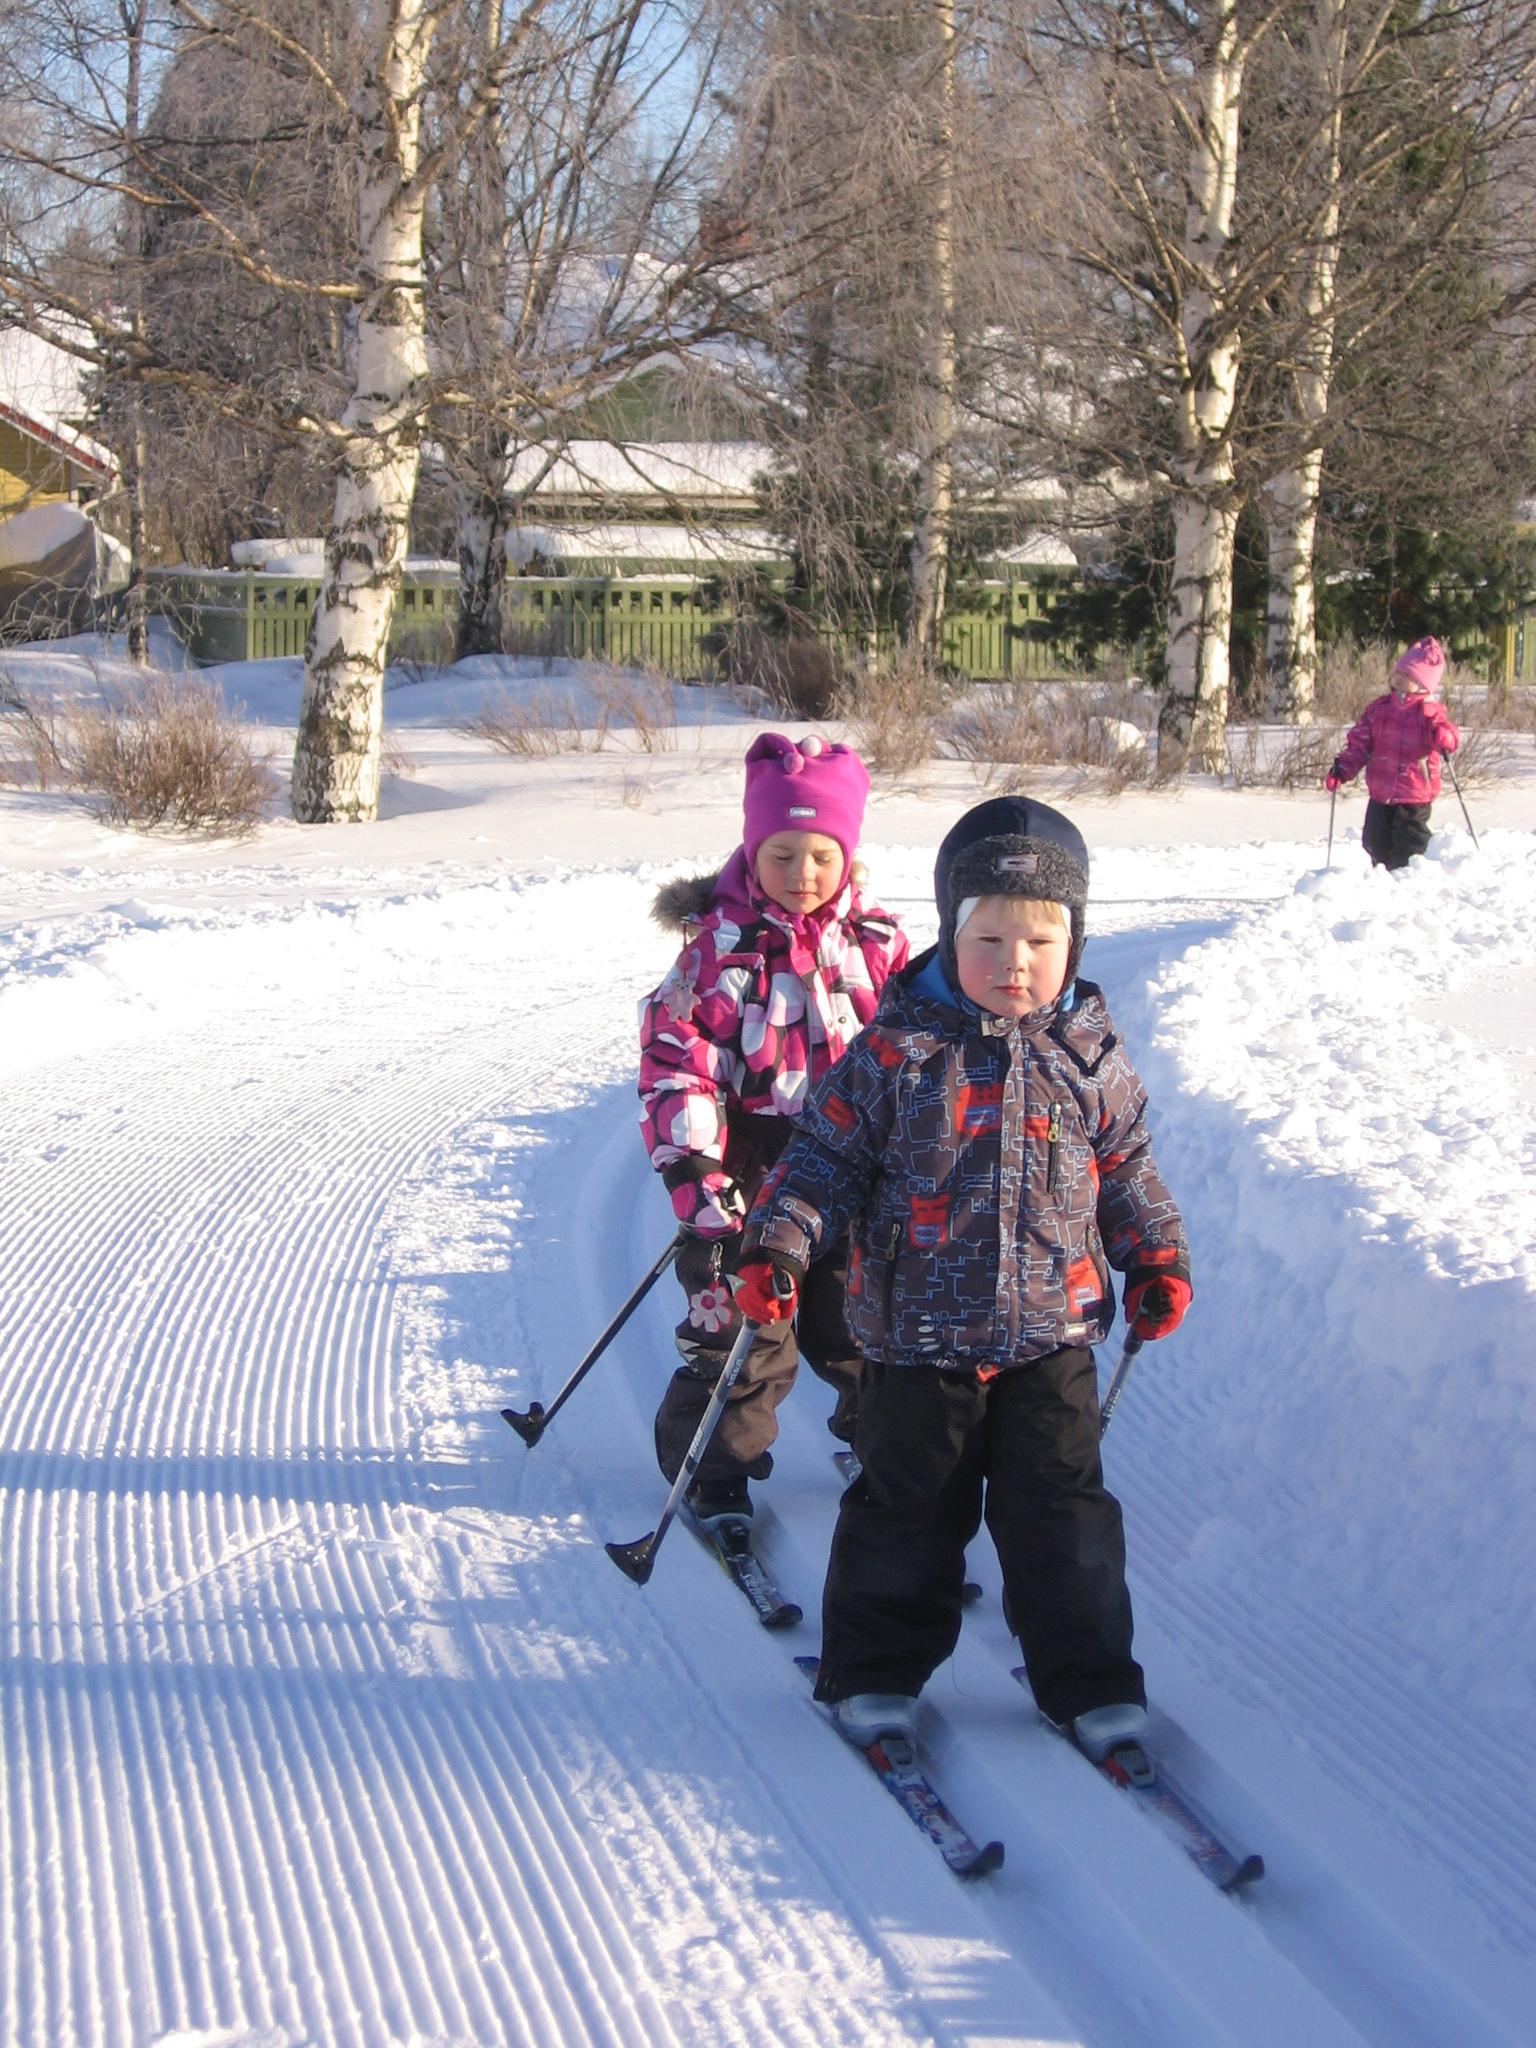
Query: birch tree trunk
point(934, 520)
point(1206, 499)
point(482, 522)
point(1291, 624)
point(136, 596)
point(341, 718)
point(1291, 497)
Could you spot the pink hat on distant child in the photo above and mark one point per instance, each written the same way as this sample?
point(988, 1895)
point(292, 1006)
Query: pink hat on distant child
point(809, 787)
point(1424, 663)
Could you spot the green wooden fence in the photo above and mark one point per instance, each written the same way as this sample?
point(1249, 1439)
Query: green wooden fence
point(675, 624)
point(247, 615)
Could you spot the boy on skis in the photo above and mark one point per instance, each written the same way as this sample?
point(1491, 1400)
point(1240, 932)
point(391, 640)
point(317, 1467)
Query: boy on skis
point(985, 1140)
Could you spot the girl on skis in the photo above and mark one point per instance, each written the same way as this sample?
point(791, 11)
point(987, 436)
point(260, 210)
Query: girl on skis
point(782, 965)
point(1398, 739)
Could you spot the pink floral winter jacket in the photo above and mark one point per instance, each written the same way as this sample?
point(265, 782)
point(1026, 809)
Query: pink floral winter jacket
point(760, 1003)
point(1398, 741)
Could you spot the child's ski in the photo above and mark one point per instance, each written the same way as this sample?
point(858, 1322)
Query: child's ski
point(894, 1762)
point(847, 1462)
point(1133, 1770)
point(730, 1539)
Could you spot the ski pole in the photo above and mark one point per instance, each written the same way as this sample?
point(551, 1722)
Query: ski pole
point(1459, 797)
point(1128, 1353)
point(1333, 798)
point(532, 1425)
point(637, 1560)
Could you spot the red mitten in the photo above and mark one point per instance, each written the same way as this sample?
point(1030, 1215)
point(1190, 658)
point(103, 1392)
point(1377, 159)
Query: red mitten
point(1155, 1303)
point(765, 1293)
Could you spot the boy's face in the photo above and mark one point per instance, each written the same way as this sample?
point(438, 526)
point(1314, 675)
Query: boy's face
point(1011, 954)
point(800, 870)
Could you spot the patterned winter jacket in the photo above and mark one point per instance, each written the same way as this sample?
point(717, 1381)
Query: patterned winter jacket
point(991, 1171)
point(1399, 741)
point(758, 1006)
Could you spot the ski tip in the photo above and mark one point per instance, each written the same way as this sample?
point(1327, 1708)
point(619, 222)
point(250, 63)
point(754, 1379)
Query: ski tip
point(634, 1560)
point(983, 1863)
point(530, 1427)
point(809, 1665)
point(787, 1616)
point(1248, 1872)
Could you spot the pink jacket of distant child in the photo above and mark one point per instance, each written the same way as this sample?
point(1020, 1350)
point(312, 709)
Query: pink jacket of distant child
point(1399, 741)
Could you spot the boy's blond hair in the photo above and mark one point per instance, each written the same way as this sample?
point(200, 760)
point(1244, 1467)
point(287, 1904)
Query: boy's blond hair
point(972, 904)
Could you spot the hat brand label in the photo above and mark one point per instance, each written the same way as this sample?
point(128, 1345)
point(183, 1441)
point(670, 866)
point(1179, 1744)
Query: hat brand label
point(802, 810)
point(1019, 863)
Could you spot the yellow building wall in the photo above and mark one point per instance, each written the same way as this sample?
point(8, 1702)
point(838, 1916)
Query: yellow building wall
point(30, 474)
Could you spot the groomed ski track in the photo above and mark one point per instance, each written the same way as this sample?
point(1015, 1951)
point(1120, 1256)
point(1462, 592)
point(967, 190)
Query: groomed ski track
point(325, 1718)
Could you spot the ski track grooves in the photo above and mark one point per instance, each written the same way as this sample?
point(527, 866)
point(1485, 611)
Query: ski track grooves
point(323, 1720)
point(237, 1792)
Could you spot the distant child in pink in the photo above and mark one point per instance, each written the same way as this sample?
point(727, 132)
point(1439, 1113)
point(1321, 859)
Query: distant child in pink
point(781, 968)
point(1398, 739)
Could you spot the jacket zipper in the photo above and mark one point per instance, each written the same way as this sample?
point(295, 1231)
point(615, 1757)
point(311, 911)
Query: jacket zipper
point(1053, 1152)
point(892, 1240)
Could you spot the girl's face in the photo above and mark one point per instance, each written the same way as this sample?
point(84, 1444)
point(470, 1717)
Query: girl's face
point(1011, 954)
point(800, 870)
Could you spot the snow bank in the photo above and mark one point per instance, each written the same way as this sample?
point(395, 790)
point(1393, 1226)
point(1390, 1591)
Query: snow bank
point(1358, 1165)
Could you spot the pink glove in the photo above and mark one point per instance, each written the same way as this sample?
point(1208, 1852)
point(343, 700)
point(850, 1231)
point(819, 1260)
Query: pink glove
point(1332, 780)
point(765, 1293)
point(711, 1206)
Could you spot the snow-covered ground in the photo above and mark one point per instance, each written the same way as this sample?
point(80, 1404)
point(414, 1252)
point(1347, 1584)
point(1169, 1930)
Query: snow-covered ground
point(324, 1717)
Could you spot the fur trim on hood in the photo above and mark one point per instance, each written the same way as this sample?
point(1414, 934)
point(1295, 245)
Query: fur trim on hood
point(684, 901)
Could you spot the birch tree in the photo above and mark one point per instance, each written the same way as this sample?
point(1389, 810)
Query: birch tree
point(1138, 124)
point(399, 89)
point(868, 197)
point(567, 253)
point(1409, 174)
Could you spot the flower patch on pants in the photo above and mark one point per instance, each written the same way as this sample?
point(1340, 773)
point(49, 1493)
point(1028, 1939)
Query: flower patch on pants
point(711, 1308)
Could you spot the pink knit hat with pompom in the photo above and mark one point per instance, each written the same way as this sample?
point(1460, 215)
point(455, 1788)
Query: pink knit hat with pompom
point(1424, 663)
point(809, 787)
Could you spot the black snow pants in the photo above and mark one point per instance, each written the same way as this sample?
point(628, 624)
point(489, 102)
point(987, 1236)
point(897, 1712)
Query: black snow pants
point(1394, 834)
point(939, 1449)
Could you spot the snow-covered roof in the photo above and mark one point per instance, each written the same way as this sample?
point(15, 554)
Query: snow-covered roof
point(32, 536)
point(1036, 551)
point(702, 547)
point(307, 558)
point(42, 394)
point(716, 471)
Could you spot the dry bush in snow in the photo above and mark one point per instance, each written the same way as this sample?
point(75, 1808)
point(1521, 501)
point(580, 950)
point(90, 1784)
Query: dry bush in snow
point(643, 699)
point(896, 714)
point(534, 727)
point(165, 751)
